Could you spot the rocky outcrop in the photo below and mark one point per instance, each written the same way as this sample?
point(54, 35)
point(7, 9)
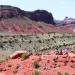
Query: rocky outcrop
point(68, 20)
point(9, 12)
point(38, 15)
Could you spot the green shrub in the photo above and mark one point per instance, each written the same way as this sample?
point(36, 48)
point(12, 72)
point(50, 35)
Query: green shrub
point(24, 56)
point(36, 64)
point(35, 73)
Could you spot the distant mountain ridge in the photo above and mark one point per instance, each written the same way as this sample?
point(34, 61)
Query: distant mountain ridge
point(17, 21)
point(38, 15)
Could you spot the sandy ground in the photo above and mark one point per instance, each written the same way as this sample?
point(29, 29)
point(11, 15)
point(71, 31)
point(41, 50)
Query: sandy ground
point(46, 62)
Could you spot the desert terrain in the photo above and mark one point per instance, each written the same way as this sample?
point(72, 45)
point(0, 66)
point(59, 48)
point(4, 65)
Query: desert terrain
point(33, 43)
point(39, 64)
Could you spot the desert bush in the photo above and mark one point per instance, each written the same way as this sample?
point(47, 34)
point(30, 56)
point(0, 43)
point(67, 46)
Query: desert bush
point(59, 73)
point(59, 65)
point(55, 59)
point(24, 56)
point(17, 66)
point(39, 41)
point(39, 59)
point(66, 73)
point(1, 69)
point(72, 66)
point(35, 64)
point(30, 41)
point(65, 62)
point(35, 73)
point(72, 61)
point(15, 71)
point(9, 65)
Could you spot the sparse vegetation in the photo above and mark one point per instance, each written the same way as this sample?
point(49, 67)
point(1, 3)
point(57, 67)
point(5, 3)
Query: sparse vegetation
point(24, 56)
point(30, 41)
point(15, 71)
point(9, 65)
point(39, 41)
point(72, 66)
point(66, 73)
point(59, 73)
point(36, 64)
point(17, 66)
point(36, 43)
point(55, 59)
point(72, 61)
point(35, 72)
point(65, 62)
point(1, 69)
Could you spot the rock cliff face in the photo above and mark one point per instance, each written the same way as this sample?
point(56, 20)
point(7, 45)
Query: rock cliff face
point(9, 12)
point(38, 15)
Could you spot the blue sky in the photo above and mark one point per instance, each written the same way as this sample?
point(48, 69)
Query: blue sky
point(59, 8)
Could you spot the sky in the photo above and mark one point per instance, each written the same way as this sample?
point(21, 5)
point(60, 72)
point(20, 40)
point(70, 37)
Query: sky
point(59, 8)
